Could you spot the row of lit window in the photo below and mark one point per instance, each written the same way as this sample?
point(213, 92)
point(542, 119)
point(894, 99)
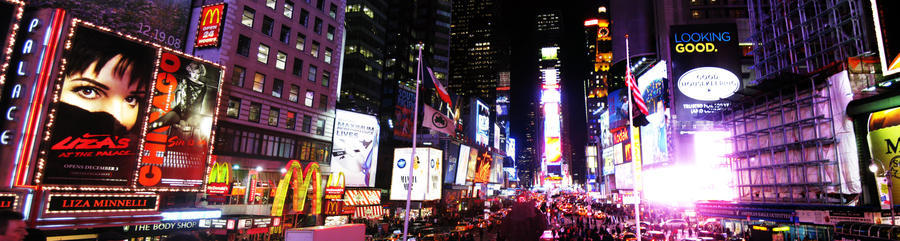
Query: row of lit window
point(250, 142)
point(360, 8)
point(268, 25)
point(239, 73)
point(274, 115)
point(288, 9)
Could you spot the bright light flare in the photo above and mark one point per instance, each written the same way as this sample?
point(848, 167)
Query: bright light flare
point(683, 185)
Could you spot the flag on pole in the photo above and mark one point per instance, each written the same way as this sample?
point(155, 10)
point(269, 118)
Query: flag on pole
point(445, 96)
point(635, 92)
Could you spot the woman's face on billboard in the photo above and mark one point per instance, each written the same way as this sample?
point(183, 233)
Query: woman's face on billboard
point(104, 91)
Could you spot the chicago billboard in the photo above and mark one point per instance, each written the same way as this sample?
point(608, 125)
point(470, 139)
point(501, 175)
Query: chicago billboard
point(706, 68)
point(355, 150)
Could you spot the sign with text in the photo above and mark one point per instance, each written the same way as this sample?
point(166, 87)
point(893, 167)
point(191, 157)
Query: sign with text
point(209, 28)
point(9, 201)
point(101, 203)
point(156, 229)
point(355, 150)
point(421, 179)
point(706, 69)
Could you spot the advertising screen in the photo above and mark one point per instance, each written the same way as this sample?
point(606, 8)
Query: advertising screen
point(463, 164)
point(96, 124)
point(484, 124)
point(435, 173)
point(605, 134)
point(653, 87)
point(609, 160)
point(164, 22)
point(355, 149)
point(618, 108)
point(179, 129)
point(624, 176)
point(483, 170)
point(210, 25)
point(452, 163)
point(705, 60)
point(549, 53)
point(402, 121)
point(497, 169)
point(654, 139)
point(422, 186)
point(473, 164)
point(887, 27)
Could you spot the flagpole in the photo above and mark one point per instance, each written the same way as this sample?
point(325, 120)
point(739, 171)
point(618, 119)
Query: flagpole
point(637, 197)
point(412, 158)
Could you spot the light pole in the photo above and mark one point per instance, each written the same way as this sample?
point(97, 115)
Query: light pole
point(889, 175)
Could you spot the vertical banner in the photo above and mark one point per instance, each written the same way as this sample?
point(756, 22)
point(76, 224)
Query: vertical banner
point(209, 28)
point(462, 166)
point(355, 151)
point(402, 121)
point(422, 177)
point(705, 60)
point(96, 124)
point(179, 129)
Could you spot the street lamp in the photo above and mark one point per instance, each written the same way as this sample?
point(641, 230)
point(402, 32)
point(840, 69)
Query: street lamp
point(889, 176)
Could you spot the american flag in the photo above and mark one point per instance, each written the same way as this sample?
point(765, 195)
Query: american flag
point(632, 84)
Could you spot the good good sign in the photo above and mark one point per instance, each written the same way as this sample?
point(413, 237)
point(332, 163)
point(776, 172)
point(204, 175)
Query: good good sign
point(697, 42)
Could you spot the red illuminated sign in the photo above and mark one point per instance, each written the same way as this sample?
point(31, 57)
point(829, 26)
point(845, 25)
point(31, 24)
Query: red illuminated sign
point(210, 25)
point(620, 135)
point(591, 22)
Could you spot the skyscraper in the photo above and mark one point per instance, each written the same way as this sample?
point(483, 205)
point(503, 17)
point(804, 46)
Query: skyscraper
point(363, 67)
point(477, 49)
point(599, 54)
point(555, 151)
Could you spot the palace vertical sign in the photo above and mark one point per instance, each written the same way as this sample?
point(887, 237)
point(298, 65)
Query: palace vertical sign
point(209, 28)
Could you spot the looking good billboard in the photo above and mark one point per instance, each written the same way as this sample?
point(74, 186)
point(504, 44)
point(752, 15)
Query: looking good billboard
point(706, 69)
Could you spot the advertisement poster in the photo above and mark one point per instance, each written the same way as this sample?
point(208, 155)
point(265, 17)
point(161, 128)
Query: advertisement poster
point(179, 128)
point(435, 171)
point(473, 164)
point(605, 134)
point(887, 27)
point(355, 149)
point(884, 140)
point(421, 178)
point(654, 140)
point(164, 22)
point(653, 87)
point(97, 123)
point(705, 60)
point(497, 169)
point(210, 25)
point(451, 164)
point(463, 165)
point(483, 122)
point(609, 161)
point(403, 114)
point(618, 108)
point(624, 176)
point(483, 170)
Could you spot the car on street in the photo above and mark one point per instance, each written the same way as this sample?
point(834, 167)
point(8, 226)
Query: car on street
point(655, 236)
point(627, 236)
point(676, 224)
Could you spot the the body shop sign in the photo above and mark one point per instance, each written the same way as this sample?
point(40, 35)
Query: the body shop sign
point(706, 68)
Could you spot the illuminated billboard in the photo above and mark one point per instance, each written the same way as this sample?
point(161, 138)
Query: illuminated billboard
point(355, 150)
point(887, 27)
point(654, 139)
point(113, 115)
point(426, 169)
point(483, 169)
point(462, 166)
point(549, 53)
point(705, 69)
point(609, 160)
point(452, 163)
point(209, 28)
point(483, 121)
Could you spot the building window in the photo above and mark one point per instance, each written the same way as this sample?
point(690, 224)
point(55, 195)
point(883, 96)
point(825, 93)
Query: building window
point(288, 9)
point(277, 87)
point(301, 42)
point(320, 127)
point(330, 34)
point(254, 111)
point(285, 35)
point(280, 60)
point(298, 67)
point(320, 4)
point(273, 116)
point(237, 76)
point(291, 121)
point(267, 25)
point(307, 123)
point(332, 12)
point(259, 81)
point(262, 54)
point(247, 17)
point(311, 74)
point(326, 78)
point(309, 98)
point(317, 27)
point(234, 107)
point(323, 102)
point(243, 46)
point(328, 55)
point(270, 4)
point(294, 95)
point(696, 14)
point(304, 17)
point(314, 50)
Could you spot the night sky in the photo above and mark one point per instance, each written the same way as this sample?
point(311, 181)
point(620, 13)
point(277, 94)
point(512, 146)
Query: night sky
point(520, 23)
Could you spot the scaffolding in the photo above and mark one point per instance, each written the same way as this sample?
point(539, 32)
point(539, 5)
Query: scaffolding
point(785, 148)
point(803, 36)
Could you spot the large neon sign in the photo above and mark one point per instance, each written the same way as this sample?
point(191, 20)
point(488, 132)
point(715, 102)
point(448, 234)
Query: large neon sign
point(299, 182)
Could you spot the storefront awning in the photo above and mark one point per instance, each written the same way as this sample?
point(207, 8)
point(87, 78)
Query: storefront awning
point(369, 212)
point(362, 197)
